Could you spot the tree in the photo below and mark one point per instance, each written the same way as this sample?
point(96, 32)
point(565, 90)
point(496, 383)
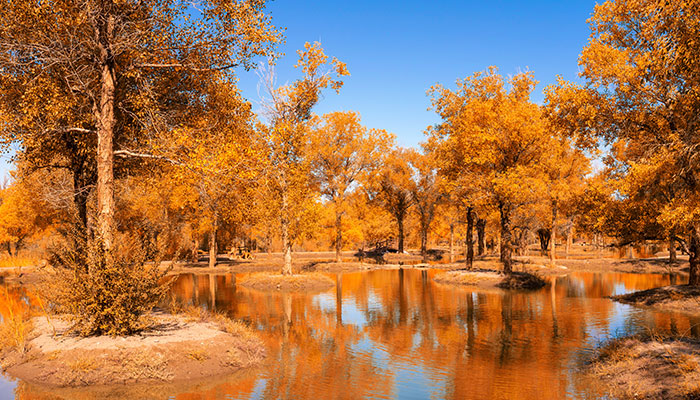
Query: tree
point(120, 69)
point(565, 171)
point(392, 189)
point(490, 129)
point(427, 191)
point(286, 137)
point(23, 214)
point(640, 96)
point(344, 152)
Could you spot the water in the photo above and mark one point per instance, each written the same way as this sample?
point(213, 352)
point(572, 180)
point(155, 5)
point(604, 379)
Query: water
point(396, 334)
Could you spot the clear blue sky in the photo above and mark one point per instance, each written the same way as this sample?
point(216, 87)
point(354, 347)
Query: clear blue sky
point(395, 50)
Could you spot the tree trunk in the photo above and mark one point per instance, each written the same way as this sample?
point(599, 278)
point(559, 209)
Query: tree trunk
point(469, 262)
point(399, 221)
point(338, 236)
point(452, 242)
point(672, 257)
point(694, 252)
point(105, 131)
point(553, 238)
point(195, 249)
point(286, 240)
point(213, 251)
point(481, 235)
point(569, 238)
point(506, 239)
point(424, 241)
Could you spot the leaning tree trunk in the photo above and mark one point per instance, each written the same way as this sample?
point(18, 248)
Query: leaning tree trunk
point(553, 236)
point(469, 262)
point(286, 239)
point(399, 221)
point(338, 236)
point(105, 132)
point(506, 239)
point(213, 251)
point(481, 235)
point(694, 252)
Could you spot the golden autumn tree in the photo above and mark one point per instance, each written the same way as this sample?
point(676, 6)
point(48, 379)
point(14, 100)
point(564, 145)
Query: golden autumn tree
point(565, 170)
point(219, 155)
point(93, 74)
point(23, 214)
point(345, 151)
point(427, 190)
point(640, 96)
point(491, 129)
point(391, 188)
point(286, 139)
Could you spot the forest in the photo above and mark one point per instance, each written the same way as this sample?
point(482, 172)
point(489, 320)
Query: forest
point(135, 154)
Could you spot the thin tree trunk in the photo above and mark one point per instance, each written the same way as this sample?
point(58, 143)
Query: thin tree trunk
point(470, 238)
point(553, 238)
point(506, 239)
point(481, 235)
point(569, 238)
point(286, 240)
point(399, 221)
point(424, 241)
point(694, 252)
point(338, 236)
point(105, 132)
point(213, 251)
point(452, 242)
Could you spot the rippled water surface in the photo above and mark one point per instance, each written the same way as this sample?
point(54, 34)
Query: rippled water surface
point(396, 334)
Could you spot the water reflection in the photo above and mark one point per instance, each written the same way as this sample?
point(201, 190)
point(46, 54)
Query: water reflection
point(398, 334)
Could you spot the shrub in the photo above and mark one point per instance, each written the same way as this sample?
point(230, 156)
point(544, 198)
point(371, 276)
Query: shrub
point(105, 292)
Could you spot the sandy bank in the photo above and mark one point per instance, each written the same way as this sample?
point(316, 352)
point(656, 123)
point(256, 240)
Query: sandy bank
point(174, 349)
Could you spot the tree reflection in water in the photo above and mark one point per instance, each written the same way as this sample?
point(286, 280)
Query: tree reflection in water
point(398, 334)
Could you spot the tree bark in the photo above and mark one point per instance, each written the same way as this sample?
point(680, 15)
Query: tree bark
point(694, 252)
point(105, 130)
point(481, 235)
point(506, 238)
point(399, 221)
point(424, 241)
point(672, 256)
point(553, 238)
point(213, 251)
point(469, 262)
point(338, 236)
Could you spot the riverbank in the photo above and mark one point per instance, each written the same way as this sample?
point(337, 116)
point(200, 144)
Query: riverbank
point(304, 282)
point(681, 298)
point(648, 367)
point(175, 348)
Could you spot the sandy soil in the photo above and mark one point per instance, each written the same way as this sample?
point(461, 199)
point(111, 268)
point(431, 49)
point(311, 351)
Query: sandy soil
point(305, 282)
point(174, 349)
point(681, 298)
point(476, 277)
point(648, 368)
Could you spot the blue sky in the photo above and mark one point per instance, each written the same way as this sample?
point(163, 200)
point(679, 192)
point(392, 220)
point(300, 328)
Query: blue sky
point(395, 50)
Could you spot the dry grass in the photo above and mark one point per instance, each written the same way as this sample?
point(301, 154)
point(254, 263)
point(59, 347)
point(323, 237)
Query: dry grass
point(468, 277)
point(83, 365)
point(679, 298)
point(648, 366)
point(198, 355)
point(293, 283)
point(522, 281)
point(223, 322)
